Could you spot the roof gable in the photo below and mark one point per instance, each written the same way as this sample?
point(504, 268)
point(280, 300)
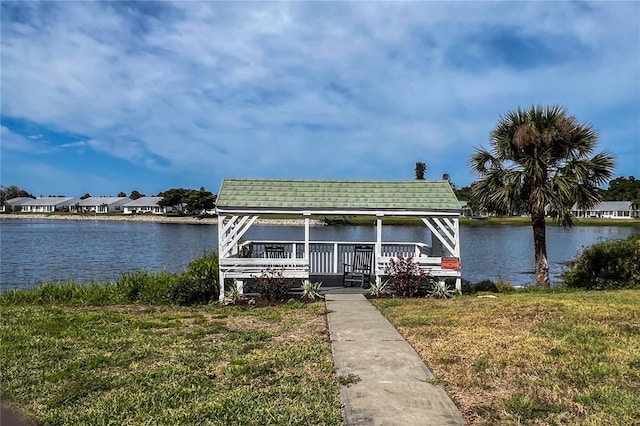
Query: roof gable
point(18, 201)
point(144, 202)
point(344, 195)
point(48, 201)
point(609, 206)
point(98, 201)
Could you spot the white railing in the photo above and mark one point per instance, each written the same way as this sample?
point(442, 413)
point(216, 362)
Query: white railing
point(329, 257)
point(241, 268)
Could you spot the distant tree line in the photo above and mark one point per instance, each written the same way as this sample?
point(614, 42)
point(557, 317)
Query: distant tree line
point(181, 199)
point(13, 191)
point(623, 189)
point(188, 200)
point(619, 189)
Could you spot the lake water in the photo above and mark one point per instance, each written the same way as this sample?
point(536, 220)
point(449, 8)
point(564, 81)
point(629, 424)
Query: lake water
point(33, 251)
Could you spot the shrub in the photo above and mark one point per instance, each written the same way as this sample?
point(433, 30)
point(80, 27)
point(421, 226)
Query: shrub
point(486, 285)
point(504, 286)
point(272, 285)
point(142, 286)
point(129, 287)
point(188, 290)
point(467, 286)
point(204, 268)
point(405, 277)
point(199, 283)
point(50, 293)
point(606, 265)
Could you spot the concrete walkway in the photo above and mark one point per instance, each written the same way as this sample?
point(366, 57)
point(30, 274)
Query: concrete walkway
point(392, 389)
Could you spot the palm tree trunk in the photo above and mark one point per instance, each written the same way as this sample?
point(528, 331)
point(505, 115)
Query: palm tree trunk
point(540, 246)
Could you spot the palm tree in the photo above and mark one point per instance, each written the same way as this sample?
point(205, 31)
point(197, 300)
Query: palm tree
point(541, 158)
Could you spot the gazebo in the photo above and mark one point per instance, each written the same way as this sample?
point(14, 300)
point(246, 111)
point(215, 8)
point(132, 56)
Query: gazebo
point(242, 201)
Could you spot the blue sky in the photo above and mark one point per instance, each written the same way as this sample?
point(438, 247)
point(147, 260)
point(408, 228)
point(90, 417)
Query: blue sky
point(103, 97)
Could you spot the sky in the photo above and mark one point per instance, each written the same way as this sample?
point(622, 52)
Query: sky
point(104, 97)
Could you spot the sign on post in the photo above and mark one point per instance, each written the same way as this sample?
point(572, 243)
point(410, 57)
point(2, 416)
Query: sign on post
point(450, 263)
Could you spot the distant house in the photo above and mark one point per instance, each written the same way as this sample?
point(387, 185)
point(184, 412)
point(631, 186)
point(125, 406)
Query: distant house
point(100, 205)
point(466, 210)
point(14, 204)
point(609, 210)
point(145, 205)
point(48, 204)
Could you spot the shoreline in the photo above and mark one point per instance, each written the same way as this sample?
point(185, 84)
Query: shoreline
point(356, 221)
point(149, 218)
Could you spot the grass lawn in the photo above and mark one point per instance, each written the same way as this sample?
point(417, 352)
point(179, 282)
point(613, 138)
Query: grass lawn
point(531, 358)
point(163, 365)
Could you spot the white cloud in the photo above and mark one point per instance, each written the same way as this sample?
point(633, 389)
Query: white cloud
point(266, 88)
point(14, 142)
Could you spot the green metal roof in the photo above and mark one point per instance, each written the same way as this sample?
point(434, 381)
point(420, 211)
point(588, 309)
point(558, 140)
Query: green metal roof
point(327, 195)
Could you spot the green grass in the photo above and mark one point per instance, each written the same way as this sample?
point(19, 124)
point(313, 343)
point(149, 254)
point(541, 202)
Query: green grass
point(139, 286)
point(565, 357)
point(136, 364)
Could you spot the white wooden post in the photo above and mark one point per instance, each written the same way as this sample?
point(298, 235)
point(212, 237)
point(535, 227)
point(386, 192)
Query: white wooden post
point(378, 242)
point(220, 272)
point(335, 258)
point(306, 236)
point(456, 230)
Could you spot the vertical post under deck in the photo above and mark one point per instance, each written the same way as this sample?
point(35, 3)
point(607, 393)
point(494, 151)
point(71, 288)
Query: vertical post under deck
point(378, 241)
point(306, 236)
point(220, 272)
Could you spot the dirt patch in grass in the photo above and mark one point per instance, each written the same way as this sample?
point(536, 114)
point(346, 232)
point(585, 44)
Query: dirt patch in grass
point(244, 323)
point(314, 327)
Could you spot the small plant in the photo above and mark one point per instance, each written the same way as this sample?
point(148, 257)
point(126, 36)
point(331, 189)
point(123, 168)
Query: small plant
point(405, 276)
point(234, 297)
point(273, 285)
point(441, 291)
point(311, 291)
point(348, 380)
point(379, 288)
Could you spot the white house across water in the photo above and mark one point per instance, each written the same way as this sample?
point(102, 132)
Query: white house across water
point(14, 204)
point(100, 205)
point(608, 210)
point(242, 201)
point(48, 204)
point(145, 205)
